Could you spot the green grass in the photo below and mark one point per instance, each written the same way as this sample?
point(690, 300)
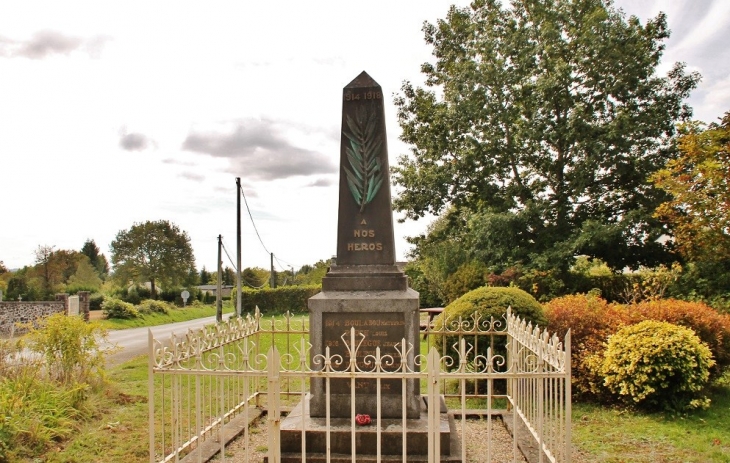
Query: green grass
point(605, 434)
point(118, 431)
point(155, 319)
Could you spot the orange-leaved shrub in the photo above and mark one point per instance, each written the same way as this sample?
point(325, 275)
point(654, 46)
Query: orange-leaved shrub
point(591, 320)
point(712, 327)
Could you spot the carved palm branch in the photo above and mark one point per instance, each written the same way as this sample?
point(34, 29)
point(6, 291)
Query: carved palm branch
point(364, 175)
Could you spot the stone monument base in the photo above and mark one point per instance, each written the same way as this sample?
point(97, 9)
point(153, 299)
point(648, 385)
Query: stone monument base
point(381, 319)
point(340, 431)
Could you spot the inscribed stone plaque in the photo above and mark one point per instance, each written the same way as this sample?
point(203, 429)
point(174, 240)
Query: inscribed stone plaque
point(384, 330)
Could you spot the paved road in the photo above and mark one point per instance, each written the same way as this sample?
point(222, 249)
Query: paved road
point(133, 342)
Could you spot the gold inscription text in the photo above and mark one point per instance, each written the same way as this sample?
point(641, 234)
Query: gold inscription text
point(369, 95)
point(364, 233)
point(364, 246)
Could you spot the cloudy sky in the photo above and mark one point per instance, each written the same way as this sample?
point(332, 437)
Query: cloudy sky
point(113, 113)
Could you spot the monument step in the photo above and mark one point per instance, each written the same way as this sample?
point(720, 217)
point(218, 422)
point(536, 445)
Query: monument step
point(364, 282)
point(342, 458)
point(366, 445)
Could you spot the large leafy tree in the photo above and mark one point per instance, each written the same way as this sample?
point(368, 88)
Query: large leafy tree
point(313, 274)
point(86, 277)
point(204, 277)
point(154, 251)
point(699, 184)
point(229, 276)
point(46, 269)
point(5, 276)
point(544, 119)
point(253, 277)
point(18, 287)
point(97, 259)
point(52, 269)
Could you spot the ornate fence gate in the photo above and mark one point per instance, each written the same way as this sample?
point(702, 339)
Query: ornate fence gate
point(207, 386)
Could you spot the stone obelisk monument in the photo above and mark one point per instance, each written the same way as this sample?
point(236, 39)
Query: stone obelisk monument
point(364, 289)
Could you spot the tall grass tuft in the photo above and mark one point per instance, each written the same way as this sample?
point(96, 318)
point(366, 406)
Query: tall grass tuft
point(45, 379)
point(71, 349)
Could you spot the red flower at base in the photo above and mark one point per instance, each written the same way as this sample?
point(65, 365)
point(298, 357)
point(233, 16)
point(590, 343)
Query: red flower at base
point(362, 420)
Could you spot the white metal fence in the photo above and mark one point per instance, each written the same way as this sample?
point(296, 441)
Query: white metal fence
point(207, 386)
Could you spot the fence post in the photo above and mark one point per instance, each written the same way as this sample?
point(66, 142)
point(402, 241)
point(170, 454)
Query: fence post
point(273, 360)
point(151, 393)
point(434, 407)
point(568, 399)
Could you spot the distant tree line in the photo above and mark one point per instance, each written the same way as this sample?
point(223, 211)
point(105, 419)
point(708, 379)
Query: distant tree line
point(152, 260)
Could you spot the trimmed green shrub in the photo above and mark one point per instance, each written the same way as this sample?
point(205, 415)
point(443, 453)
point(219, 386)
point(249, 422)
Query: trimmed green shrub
point(489, 301)
point(173, 295)
point(152, 306)
point(116, 308)
point(209, 298)
point(131, 295)
point(95, 301)
point(658, 365)
point(278, 300)
point(169, 295)
point(478, 306)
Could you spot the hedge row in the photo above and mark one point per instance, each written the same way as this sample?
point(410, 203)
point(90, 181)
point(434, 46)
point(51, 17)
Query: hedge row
point(278, 300)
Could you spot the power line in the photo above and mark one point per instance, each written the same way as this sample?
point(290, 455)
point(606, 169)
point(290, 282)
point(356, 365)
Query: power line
point(229, 257)
point(252, 222)
point(283, 267)
point(236, 269)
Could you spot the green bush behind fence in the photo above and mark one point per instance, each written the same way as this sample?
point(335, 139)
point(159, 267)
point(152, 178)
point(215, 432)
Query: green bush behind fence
point(277, 300)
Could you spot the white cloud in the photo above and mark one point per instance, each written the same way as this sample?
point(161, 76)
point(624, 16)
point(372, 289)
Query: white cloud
point(48, 42)
point(261, 149)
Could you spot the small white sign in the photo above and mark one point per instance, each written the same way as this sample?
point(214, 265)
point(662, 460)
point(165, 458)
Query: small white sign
point(185, 295)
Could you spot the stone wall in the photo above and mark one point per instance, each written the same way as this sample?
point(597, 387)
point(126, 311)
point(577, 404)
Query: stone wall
point(12, 312)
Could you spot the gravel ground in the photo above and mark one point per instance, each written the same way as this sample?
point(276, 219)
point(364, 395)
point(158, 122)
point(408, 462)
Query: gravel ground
point(475, 438)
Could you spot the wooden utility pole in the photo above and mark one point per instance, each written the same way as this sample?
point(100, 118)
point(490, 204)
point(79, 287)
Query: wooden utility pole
point(238, 243)
point(219, 289)
point(272, 282)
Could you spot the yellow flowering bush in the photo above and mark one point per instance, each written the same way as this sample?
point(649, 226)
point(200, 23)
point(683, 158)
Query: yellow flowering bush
point(658, 365)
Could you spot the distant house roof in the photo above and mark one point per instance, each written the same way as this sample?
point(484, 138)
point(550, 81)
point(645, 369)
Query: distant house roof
point(146, 284)
point(213, 287)
point(226, 290)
